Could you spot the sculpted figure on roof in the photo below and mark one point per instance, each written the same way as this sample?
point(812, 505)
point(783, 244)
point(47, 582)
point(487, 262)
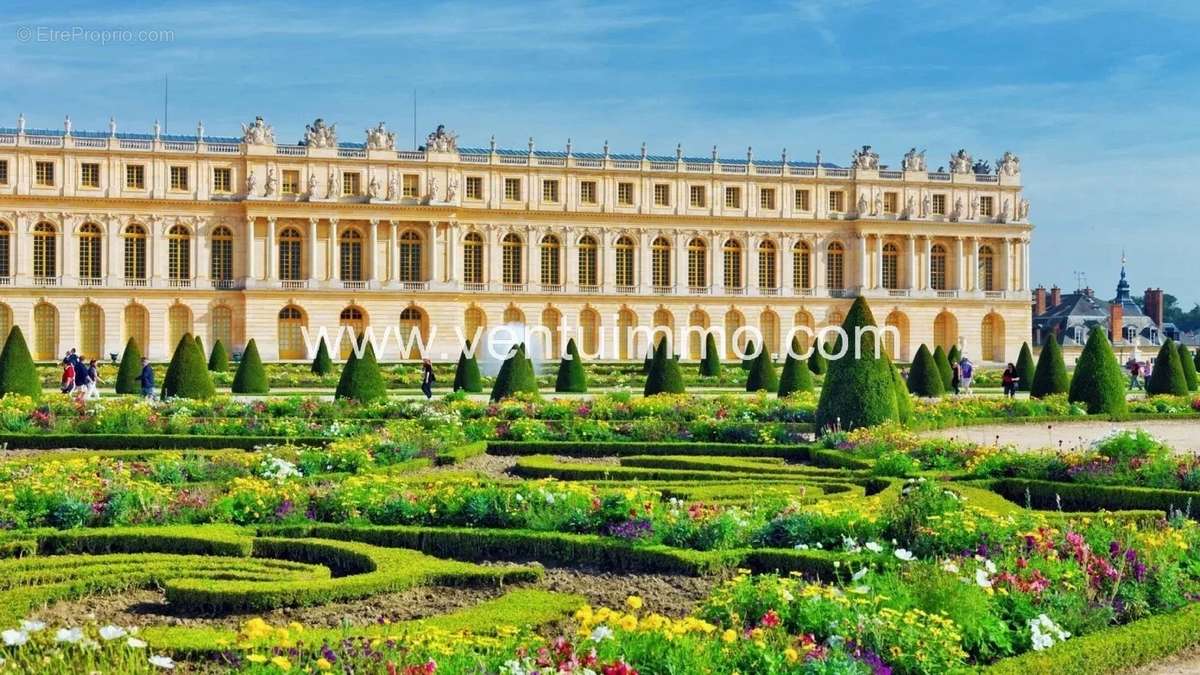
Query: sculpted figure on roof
point(914, 161)
point(1008, 165)
point(441, 140)
point(865, 158)
point(380, 138)
point(961, 162)
point(320, 135)
point(258, 133)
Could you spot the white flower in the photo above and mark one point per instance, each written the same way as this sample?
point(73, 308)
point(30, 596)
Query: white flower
point(31, 626)
point(859, 574)
point(601, 633)
point(950, 566)
point(981, 578)
point(164, 662)
point(801, 547)
point(904, 554)
point(69, 635)
point(111, 632)
point(1043, 632)
point(873, 546)
point(14, 638)
point(861, 590)
point(991, 566)
point(135, 643)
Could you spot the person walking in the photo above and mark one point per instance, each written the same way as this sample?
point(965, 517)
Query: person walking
point(427, 378)
point(93, 372)
point(1009, 379)
point(1134, 369)
point(67, 382)
point(147, 379)
point(966, 371)
point(955, 379)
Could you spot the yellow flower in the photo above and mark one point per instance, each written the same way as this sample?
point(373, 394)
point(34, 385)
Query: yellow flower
point(629, 622)
point(633, 602)
point(791, 654)
point(282, 663)
point(322, 664)
point(729, 635)
point(256, 658)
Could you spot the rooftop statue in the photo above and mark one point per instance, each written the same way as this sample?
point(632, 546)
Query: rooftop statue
point(320, 135)
point(380, 138)
point(961, 162)
point(981, 166)
point(865, 158)
point(441, 140)
point(913, 160)
point(1008, 165)
point(258, 133)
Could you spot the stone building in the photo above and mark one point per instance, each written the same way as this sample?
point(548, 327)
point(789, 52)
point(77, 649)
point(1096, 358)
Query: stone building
point(109, 235)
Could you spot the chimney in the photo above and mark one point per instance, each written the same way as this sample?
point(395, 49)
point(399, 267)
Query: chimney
point(1039, 301)
point(1055, 296)
point(1116, 322)
point(1152, 305)
point(1088, 292)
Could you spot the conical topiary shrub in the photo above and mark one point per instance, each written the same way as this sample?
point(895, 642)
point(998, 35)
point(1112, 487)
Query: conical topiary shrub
point(943, 365)
point(1196, 362)
point(200, 344)
point(361, 380)
point(129, 373)
point(1167, 378)
point(750, 355)
point(1025, 368)
point(18, 374)
point(322, 364)
point(903, 401)
point(1189, 367)
point(524, 377)
point(466, 373)
point(1098, 383)
point(924, 379)
point(817, 363)
point(187, 374)
point(762, 376)
point(1050, 376)
point(502, 387)
point(795, 376)
point(218, 360)
point(710, 365)
point(570, 371)
point(516, 376)
point(954, 355)
point(251, 377)
point(664, 376)
point(857, 392)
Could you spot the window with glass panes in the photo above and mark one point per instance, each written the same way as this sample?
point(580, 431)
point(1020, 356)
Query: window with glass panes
point(512, 189)
point(474, 187)
point(510, 257)
point(135, 177)
point(291, 182)
point(891, 202)
point(352, 255)
point(220, 325)
point(837, 201)
point(89, 175)
point(938, 205)
point(291, 333)
point(550, 191)
point(986, 268)
point(550, 261)
point(221, 254)
point(623, 257)
point(766, 199)
point(835, 266)
point(733, 197)
point(3, 172)
point(660, 262)
point(587, 261)
point(625, 194)
point(179, 178)
point(697, 263)
point(411, 185)
point(351, 183)
point(987, 207)
point(587, 192)
point(179, 253)
point(733, 264)
point(135, 252)
point(801, 265)
point(891, 266)
point(473, 258)
point(45, 332)
point(89, 251)
point(223, 180)
point(45, 250)
point(767, 277)
point(410, 256)
point(5, 248)
point(937, 267)
point(697, 199)
point(43, 174)
point(802, 202)
point(662, 194)
point(290, 256)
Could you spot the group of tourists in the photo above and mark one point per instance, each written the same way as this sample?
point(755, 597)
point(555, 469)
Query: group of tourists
point(80, 378)
point(1139, 373)
point(961, 376)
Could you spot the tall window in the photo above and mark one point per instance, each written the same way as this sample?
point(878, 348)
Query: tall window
point(697, 263)
point(223, 180)
point(625, 194)
point(589, 326)
point(351, 183)
point(986, 267)
point(511, 254)
point(45, 250)
point(412, 331)
point(987, 206)
point(623, 256)
point(662, 194)
point(5, 248)
point(89, 251)
point(766, 199)
point(550, 261)
point(135, 176)
point(891, 266)
point(89, 175)
point(3, 176)
point(837, 201)
point(410, 256)
point(835, 266)
point(221, 325)
point(45, 332)
point(135, 253)
point(352, 255)
point(473, 258)
point(91, 331)
point(801, 265)
point(474, 323)
point(179, 323)
point(660, 262)
point(291, 333)
point(550, 191)
point(291, 182)
point(733, 264)
point(512, 189)
point(587, 261)
point(891, 202)
point(474, 187)
point(179, 253)
point(802, 200)
point(222, 256)
point(937, 267)
point(290, 257)
point(697, 199)
point(767, 277)
point(938, 205)
point(355, 323)
point(733, 197)
point(411, 185)
point(43, 174)
point(587, 192)
point(179, 178)
point(137, 326)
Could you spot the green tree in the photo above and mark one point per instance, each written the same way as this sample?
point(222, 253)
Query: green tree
point(187, 374)
point(218, 360)
point(361, 380)
point(762, 376)
point(1050, 376)
point(924, 379)
point(1025, 368)
point(710, 365)
point(1189, 367)
point(747, 360)
point(954, 355)
point(1098, 383)
point(322, 364)
point(664, 376)
point(251, 377)
point(516, 376)
point(943, 365)
point(200, 344)
point(859, 389)
point(900, 387)
point(18, 374)
point(1167, 378)
point(817, 363)
point(795, 376)
point(466, 373)
point(524, 377)
point(571, 377)
point(129, 373)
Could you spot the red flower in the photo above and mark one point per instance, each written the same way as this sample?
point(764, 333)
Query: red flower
point(619, 668)
point(770, 619)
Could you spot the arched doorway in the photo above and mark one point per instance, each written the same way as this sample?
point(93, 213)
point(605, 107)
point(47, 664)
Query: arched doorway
point(768, 325)
point(91, 331)
point(354, 321)
point(697, 338)
point(896, 344)
point(292, 323)
point(945, 331)
point(45, 332)
point(992, 338)
point(137, 327)
point(179, 323)
point(412, 331)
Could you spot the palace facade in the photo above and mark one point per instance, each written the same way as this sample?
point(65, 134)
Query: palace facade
point(106, 236)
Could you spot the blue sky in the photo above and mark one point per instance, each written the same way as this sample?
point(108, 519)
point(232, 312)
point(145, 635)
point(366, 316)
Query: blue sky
point(1099, 98)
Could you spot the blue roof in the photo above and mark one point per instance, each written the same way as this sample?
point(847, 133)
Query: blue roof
point(182, 138)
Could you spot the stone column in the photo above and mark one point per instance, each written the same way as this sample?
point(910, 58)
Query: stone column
point(203, 248)
point(863, 269)
point(311, 245)
point(644, 274)
point(960, 264)
point(494, 274)
point(819, 251)
point(112, 241)
point(787, 263)
point(533, 258)
point(68, 252)
point(716, 263)
point(1026, 282)
point(878, 261)
point(248, 242)
point(373, 242)
point(973, 264)
point(272, 257)
point(928, 282)
point(393, 253)
point(608, 261)
point(153, 266)
point(571, 267)
point(752, 265)
point(1005, 265)
point(440, 238)
point(335, 270)
point(912, 262)
point(681, 262)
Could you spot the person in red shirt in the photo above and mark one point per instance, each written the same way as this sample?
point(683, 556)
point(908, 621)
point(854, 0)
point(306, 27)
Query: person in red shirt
point(1009, 380)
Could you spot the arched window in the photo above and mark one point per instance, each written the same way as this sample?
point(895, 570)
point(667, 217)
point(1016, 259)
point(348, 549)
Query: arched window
point(90, 242)
point(767, 277)
point(45, 253)
point(137, 327)
point(992, 338)
point(351, 255)
point(179, 323)
point(5, 321)
point(834, 318)
point(179, 253)
point(697, 339)
point(589, 326)
point(697, 263)
point(91, 331)
point(835, 266)
point(473, 258)
point(588, 253)
point(896, 344)
point(768, 325)
point(410, 257)
point(945, 331)
point(803, 318)
point(511, 254)
point(221, 264)
point(291, 333)
point(801, 265)
point(355, 323)
point(937, 267)
point(513, 314)
point(412, 332)
point(135, 254)
point(290, 256)
point(551, 273)
point(626, 321)
point(660, 262)
point(987, 266)
point(891, 266)
point(663, 325)
point(623, 257)
point(552, 322)
point(5, 257)
point(474, 324)
point(733, 321)
point(45, 332)
point(733, 264)
point(220, 325)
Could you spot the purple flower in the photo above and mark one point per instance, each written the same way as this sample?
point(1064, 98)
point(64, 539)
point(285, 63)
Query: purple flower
point(638, 528)
point(1114, 548)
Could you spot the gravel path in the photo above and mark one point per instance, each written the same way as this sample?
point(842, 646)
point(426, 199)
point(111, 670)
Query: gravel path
point(1183, 435)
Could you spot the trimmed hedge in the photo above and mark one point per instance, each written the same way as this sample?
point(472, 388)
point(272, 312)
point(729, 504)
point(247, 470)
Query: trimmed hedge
point(710, 365)
point(460, 453)
point(796, 376)
point(1025, 368)
point(251, 377)
point(18, 374)
point(762, 465)
point(762, 375)
point(629, 448)
point(151, 441)
point(209, 540)
point(322, 364)
point(924, 377)
point(1050, 376)
point(903, 399)
point(361, 380)
point(954, 355)
point(571, 378)
point(218, 359)
point(129, 374)
point(466, 373)
point(1051, 495)
point(1189, 367)
point(859, 390)
point(1167, 378)
point(1098, 382)
point(942, 361)
point(817, 363)
point(187, 375)
point(664, 376)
